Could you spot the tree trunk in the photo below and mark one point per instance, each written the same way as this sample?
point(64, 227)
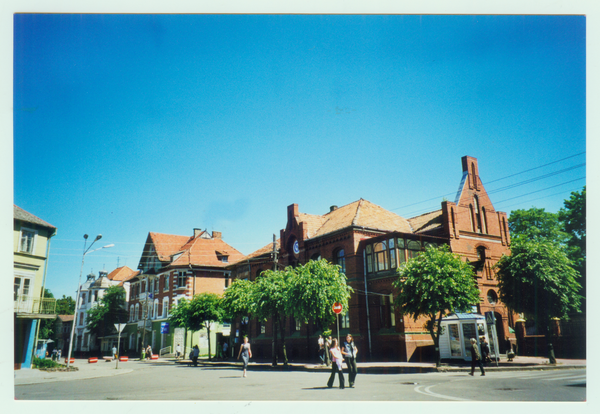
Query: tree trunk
point(274, 341)
point(436, 337)
point(208, 333)
point(282, 333)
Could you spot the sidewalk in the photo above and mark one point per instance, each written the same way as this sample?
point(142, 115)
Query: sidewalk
point(107, 369)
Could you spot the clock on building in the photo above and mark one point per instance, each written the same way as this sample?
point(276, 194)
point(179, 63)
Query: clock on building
point(296, 248)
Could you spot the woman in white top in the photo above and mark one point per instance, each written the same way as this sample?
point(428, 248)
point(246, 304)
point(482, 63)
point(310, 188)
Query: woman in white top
point(336, 364)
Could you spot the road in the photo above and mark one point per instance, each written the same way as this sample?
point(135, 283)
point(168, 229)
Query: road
point(182, 383)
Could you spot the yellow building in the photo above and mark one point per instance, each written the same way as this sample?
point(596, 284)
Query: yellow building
point(31, 241)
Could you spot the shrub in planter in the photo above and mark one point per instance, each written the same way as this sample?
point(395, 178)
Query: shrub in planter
point(44, 363)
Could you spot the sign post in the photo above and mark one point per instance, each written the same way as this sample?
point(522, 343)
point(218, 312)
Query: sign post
point(490, 319)
point(120, 327)
point(337, 309)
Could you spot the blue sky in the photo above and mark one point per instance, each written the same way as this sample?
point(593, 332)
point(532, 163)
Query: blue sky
point(127, 124)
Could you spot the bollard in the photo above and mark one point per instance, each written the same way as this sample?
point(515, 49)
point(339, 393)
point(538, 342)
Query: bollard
point(92, 360)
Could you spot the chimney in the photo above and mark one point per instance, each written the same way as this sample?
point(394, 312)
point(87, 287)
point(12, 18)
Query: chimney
point(216, 235)
point(197, 232)
point(333, 208)
point(292, 212)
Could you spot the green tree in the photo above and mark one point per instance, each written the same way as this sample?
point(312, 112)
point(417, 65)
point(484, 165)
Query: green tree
point(536, 224)
point(65, 306)
point(538, 279)
point(111, 309)
point(47, 325)
point(269, 300)
point(237, 300)
point(433, 284)
point(572, 216)
point(205, 309)
point(180, 315)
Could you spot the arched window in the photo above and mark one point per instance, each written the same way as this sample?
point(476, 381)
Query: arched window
point(381, 256)
point(137, 312)
point(131, 313)
point(492, 297)
point(155, 311)
point(414, 248)
point(340, 260)
point(477, 214)
point(472, 217)
point(484, 221)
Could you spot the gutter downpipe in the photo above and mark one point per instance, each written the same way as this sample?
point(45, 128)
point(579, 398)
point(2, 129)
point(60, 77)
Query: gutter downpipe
point(37, 329)
point(367, 302)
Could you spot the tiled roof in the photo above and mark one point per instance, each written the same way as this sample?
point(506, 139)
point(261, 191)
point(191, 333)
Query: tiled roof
point(122, 273)
point(23, 215)
point(426, 222)
point(167, 245)
point(362, 213)
point(66, 318)
point(264, 250)
point(198, 251)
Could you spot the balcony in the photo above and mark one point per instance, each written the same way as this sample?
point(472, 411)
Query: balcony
point(34, 305)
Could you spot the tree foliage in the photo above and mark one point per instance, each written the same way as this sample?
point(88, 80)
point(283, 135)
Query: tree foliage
point(573, 218)
point(434, 283)
point(536, 224)
point(111, 309)
point(538, 279)
point(65, 306)
point(237, 299)
point(46, 325)
point(315, 287)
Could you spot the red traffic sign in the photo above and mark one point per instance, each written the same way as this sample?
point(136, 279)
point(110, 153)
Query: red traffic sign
point(337, 307)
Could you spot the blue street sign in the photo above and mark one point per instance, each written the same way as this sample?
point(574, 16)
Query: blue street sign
point(164, 327)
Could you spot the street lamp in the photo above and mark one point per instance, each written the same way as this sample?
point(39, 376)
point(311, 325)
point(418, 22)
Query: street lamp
point(85, 252)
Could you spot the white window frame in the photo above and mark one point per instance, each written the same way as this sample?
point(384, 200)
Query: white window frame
point(155, 311)
point(166, 286)
point(33, 242)
point(165, 309)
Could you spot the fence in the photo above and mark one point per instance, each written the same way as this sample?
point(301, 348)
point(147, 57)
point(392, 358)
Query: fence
point(29, 304)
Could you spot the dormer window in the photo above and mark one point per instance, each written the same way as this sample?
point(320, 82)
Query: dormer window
point(26, 243)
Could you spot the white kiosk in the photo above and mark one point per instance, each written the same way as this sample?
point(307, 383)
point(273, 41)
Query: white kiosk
point(458, 329)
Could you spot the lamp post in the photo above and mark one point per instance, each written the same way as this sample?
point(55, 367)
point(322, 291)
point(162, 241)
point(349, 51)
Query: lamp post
point(85, 252)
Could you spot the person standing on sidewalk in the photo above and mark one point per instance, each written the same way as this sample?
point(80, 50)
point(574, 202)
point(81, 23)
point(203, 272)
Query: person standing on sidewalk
point(177, 351)
point(349, 352)
point(321, 344)
point(327, 348)
point(246, 354)
point(336, 365)
point(195, 355)
point(475, 358)
point(485, 350)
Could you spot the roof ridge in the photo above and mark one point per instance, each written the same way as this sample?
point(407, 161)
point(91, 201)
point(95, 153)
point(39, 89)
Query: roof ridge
point(356, 214)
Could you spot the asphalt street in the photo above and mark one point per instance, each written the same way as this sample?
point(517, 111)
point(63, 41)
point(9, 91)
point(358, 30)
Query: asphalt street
point(167, 382)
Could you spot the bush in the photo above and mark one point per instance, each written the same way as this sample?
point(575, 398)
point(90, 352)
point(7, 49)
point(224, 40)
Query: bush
point(44, 363)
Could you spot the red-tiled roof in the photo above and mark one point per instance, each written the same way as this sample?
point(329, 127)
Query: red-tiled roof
point(263, 250)
point(427, 221)
point(122, 273)
point(360, 213)
point(198, 251)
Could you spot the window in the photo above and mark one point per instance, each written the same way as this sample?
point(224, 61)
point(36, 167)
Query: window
point(22, 285)
point(477, 213)
point(155, 310)
point(138, 316)
point(345, 321)
point(165, 309)
point(143, 289)
point(340, 260)
point(131, 313)
point(414, 248)
point(316, 256)
point(401, 251)
point(181, 279)
point(386, 311)
point(96, 296)
point(83, 298)
point(263, 327)
point(27, 241)
point(381, 256)
point(392, 311)
point(298, 324)
point(166, 287)
point(369, 259)
point(81, 318)
point(484, 220)
point(492, 297)
point(392, 253)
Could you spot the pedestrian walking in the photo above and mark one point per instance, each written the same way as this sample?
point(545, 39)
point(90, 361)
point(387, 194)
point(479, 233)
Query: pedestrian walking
point(321, 344)
point(149, 352)
point(114, 352)
point(178, 351)
point(54, 354)
point(59, 353)
point(328, 343)
point(195, 355)
point(336, 364)
point(143, 358)
point(225, 347)
point(485, 350)
point(475, 358)
point(246, 354)
point(349, 352)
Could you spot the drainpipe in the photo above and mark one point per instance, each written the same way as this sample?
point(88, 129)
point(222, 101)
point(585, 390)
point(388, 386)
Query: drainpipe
point(367, 302)
point(37, 329)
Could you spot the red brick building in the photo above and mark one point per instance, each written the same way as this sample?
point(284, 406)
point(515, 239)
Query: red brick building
point(369, 243)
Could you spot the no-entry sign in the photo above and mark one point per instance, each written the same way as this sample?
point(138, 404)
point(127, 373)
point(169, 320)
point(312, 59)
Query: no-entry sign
point(337, 307)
